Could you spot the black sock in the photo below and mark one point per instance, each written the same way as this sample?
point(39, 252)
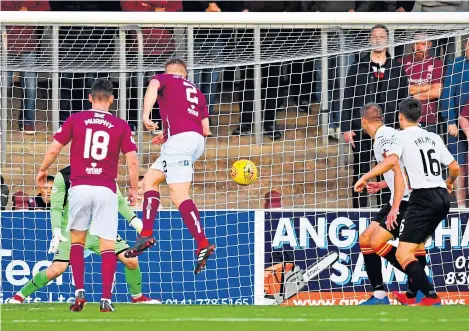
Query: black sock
point(419, 279)
point(388, 251)
point(373, 270)
point(412, 289)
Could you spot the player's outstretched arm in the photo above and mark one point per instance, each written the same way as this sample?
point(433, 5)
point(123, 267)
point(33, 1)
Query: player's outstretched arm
point(399, 188)
point(454, 171)
point(132, 166)
point(148, 102)
point(448, 160)
point(126, 212)
point(382, 167)
point(57, 201)
point(51, 154)
point(206, 127)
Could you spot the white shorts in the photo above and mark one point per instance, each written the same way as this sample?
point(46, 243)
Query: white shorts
point(178, 155)
point(96, 205)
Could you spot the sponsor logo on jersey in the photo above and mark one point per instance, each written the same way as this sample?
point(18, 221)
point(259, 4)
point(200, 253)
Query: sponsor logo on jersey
point(98, 115)
point(184, 163)
point(192, 111)
point(93, 170)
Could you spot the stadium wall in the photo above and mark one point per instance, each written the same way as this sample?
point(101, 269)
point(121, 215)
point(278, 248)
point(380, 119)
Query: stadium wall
point(261, 255)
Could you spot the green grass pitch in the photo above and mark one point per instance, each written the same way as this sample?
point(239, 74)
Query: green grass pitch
point(56, 317)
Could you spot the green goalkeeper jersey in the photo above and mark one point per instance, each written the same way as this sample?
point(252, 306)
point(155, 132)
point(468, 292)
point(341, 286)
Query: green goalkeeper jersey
point(59, 201)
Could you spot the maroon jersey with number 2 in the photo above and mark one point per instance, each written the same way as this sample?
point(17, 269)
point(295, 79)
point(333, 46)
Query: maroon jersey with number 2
point(97, 139)
point(182, 105)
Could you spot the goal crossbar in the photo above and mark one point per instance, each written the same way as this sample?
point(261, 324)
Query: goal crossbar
point(230, 18)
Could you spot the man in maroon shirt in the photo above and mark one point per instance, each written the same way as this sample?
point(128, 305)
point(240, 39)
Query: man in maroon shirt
point(425, 80)
point(97, 139)
point(184, 114)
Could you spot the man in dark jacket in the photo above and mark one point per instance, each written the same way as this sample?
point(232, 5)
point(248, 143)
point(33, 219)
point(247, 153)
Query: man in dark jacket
point(375, 78)
point(83, 47)
point(4, 193)
point(270, 40)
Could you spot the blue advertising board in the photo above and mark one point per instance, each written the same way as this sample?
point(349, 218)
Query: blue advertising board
point(296, 240)
point(168, 268)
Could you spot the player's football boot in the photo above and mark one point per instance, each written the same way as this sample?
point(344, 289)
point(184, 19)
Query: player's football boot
point(80, 301)
point(141, 244)
point(429, 302)
point(402, 298)
point(146, 300)
point(106, 306)
point(202, 256)
point(15, 300)
point(372, 301)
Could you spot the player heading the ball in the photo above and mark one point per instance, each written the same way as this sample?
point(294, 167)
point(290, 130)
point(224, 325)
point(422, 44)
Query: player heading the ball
point(97, 138)
point(184, 114)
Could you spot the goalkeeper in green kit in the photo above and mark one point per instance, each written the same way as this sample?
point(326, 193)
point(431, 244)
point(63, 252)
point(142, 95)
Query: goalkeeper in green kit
point(60, 245)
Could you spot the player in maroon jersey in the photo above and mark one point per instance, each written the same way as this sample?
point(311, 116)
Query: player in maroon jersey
point(97, 138)
point(184, 114)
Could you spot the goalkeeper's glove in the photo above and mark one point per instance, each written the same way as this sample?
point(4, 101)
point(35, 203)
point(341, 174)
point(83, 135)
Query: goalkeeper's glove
point(57, 238)
point(137, 224)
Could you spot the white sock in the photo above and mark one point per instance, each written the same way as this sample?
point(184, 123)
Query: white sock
point(79, 290)
point(136, 296)
point(108, 300)
point(379, 294)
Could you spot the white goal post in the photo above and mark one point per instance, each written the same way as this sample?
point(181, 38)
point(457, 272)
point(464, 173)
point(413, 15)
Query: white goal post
point(295, 226)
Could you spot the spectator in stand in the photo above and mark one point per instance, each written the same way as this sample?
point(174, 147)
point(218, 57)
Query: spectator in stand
point(270, 72)
point(19, 201)
point(302, 76)
point(425, 74)
point(375, 78)
point(445, 48)
point(454, 98)
point(388, 6)
point(83, 47)
point(4, 193)
point(158, 47)
point(384, 6)
point(42, 199)
point(23, 46)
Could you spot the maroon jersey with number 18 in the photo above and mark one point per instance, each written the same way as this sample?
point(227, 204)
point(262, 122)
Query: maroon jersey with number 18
point(97, 139)
point(182, 105)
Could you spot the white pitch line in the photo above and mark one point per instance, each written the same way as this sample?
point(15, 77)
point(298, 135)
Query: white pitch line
point(228, 319)
point(131, 320)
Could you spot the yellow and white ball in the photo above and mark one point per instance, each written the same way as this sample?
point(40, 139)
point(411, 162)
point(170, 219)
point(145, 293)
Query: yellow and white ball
point(244, 172)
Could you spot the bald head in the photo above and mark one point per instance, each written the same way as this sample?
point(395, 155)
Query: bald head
point(372, 113)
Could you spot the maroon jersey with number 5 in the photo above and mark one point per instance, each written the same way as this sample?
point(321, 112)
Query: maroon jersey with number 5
point(182, 105)
point(97, 139)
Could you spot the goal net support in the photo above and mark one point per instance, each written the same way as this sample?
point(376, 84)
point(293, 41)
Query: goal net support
point(291, 237)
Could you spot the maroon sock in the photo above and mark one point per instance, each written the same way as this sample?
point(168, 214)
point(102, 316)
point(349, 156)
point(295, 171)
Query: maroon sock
point(77, 261)
point(191, 217)
point(108, 266)
point(151, 202)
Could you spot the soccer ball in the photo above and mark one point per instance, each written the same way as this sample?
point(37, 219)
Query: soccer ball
point(244, 172)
